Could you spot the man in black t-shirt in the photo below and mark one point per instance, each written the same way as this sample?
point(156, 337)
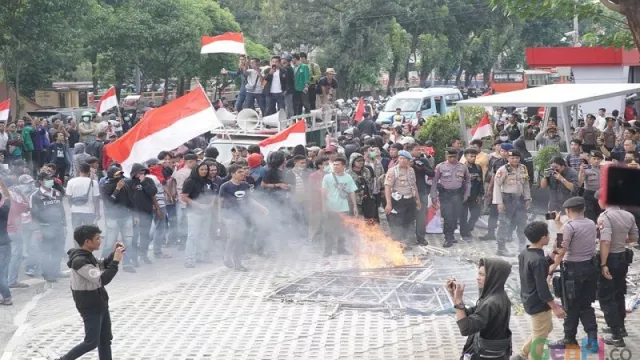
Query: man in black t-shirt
point(235, 203)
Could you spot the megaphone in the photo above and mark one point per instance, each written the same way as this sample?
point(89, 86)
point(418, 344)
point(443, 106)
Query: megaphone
point(248, 119)
point(274, 120)
point(225, 116)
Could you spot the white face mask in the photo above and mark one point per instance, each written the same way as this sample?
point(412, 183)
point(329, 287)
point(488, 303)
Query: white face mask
point(504, 138)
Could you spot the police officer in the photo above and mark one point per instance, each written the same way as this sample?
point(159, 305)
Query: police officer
point(402, 198)
point(579, 273)
point(512, 196)
point(617, 227)
point(589, 178)
point(472, 208)
point(451, 187)
point(495, 163)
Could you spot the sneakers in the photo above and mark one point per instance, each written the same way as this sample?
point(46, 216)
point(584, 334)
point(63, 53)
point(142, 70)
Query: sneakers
point(490, 236)
point(448, 243)
point(146, 260)
point(608, 330)
point(561, 344)
point(162, 256)
point(614, 341)
point(18, 285)
point(6, 302)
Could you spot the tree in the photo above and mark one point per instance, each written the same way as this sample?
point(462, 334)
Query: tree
point(566, 9)
point(399, 43)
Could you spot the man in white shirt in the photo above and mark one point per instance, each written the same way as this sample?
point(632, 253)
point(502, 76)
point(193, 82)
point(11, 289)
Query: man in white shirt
point(4, 137)
point(190, 161)
point(84, 197)
point(275, 95)
point(601, 121)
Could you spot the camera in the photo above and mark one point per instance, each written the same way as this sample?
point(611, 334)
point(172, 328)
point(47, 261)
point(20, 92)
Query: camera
point(549, 172)
point(550, 216)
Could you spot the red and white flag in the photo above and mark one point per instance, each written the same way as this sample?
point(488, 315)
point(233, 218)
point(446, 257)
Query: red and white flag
point(359, 110)
point(482, 129)
point(230, 43)
point(289, 137)
point(107, 101)
point(5, 108)
point(165, 128)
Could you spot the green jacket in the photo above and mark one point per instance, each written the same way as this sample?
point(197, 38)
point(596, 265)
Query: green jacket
point(302, 76)
point(316, 73)
point(27, 130)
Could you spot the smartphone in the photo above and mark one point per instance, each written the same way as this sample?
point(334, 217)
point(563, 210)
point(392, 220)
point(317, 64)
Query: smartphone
point(559, 240)
point(617, 186)
point(550, 216)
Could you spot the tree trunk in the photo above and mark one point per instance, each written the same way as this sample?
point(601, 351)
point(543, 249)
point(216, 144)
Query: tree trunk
point(392, 73)
point(93, 58)
point(181, 82)
point(632, 12)
point(17, 89)
point(166, 86)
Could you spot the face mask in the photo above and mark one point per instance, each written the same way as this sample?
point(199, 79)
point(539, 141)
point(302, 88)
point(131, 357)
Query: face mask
point(504, 138)
point(48, 183)
point(127, 119)
point(372, 154)
point(86, 119)
point(327, 168)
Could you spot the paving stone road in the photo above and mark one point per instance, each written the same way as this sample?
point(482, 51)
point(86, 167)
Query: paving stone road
point(168, 312)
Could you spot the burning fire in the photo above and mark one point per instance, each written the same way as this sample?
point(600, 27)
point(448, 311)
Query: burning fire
point(376, 249)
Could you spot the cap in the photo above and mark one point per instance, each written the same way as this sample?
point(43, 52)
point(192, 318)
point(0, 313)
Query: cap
point(470, 151)
point(25, 179)
point(451, 151)
point(407, 140)
point(405, 153)
point(331, 71)
point(191, 157)
point(152, 161)
point(288, 57)
point(43, 175)
point(514, 152)
point(507, 146)
point(198, 151)
point(254, 160)
point(596, 154)
point(573, 202)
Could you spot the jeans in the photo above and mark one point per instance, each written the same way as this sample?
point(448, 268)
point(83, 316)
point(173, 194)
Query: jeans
point(240, 100)
point(17, 252)
point(5, 255)
point(195, 236)
point(171, 222)
point(158, 231)
point(471, 210)
point(334, 231)
point(142, 231)
point(97, 334)
point(52, 247)
point(78, 219)
point(236, 240)
point(72, 168)
point(124, 227)
point(182, 223)
point(421, 218)
point(252, 98)
point(288, 103)
point(273, 100)
point(33, 246)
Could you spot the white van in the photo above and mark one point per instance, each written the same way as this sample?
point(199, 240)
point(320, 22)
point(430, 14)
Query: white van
point(431, 101)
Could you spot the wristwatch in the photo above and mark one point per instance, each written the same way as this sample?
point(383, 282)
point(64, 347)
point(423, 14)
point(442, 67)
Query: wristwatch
point(459, 306)
point(603, 265)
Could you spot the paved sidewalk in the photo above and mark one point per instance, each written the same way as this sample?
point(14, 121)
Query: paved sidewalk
point(169, 312)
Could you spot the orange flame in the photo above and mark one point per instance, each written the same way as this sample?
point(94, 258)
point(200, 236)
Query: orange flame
point(374, 248)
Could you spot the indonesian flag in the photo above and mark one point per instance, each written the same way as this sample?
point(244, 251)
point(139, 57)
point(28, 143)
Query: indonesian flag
point(165, 128)
point(433, 219)
point(359, 110)
point(107, 101)
point(5, 107)
point(289, 137)
point(482, 129)
point(231, 43)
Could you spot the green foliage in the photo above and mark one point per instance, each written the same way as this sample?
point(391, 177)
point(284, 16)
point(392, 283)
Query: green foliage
point(544, 156)
point(442, 128)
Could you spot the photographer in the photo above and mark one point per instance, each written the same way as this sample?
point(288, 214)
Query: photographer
point(562, 182)
point(579, 274)
point(88, 278)
point(487, 323)
point(617, 228)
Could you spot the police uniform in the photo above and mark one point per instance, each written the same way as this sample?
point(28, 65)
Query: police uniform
point(472, 208)
point(512, 190)
point(402, 183)
point(579, 275)
point(615, 227)
point(492, 223)
point(451, 187)
point(591, 185)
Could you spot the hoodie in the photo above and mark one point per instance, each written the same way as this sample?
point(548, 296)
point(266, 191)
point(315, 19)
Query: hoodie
point(88, 278)
point(489, 319)
point(79, 149)
point(365, 180)
point(142, 193)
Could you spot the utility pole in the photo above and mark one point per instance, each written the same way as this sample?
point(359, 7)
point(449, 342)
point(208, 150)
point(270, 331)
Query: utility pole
point(576, 27)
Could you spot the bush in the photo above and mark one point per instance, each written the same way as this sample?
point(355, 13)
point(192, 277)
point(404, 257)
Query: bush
point(544, 156)
point(441, 128)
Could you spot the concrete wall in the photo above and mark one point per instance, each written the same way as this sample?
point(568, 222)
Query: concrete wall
point(602, 75)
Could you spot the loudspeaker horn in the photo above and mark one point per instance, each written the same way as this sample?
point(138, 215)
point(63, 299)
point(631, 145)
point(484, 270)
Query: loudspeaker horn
point(274, 120)
point(225, 116)
point(248, 119)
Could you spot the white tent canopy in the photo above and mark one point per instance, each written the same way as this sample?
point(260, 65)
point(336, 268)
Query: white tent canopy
point(562, 96)
point(557, 95)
